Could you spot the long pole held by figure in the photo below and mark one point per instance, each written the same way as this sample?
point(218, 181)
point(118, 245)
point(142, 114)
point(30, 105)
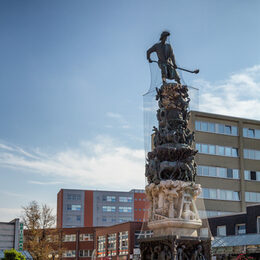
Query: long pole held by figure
point(190, 71)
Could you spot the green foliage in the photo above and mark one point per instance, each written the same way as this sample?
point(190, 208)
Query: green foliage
point(12, 254)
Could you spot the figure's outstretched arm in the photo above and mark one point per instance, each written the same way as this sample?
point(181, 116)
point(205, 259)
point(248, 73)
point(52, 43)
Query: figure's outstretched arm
point(148, 53)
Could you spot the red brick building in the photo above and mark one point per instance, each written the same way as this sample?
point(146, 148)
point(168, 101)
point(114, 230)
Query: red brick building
point(88, 208)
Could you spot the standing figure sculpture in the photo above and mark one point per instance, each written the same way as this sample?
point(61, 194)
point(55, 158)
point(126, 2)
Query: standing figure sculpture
point(166, 59)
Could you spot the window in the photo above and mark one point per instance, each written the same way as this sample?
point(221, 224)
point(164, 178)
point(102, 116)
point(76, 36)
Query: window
point(212, 149)
point(229, 173)
point(218, 150)
point(123, 243)
point(204, 232)
point(251, 154)
point(109, 198)
point(216, 128)
point(251, 133)
point(212, 213)
point(85, 253)
point(101, 247)
point(86, 237)
point(124, 219)
point(220, 194)
point(252, 175)
point(76, 207)
point(252, 196)
point(69, 253)
point(111, 244)
point(69, 238)
point(258, 224)
point(125, 199)
point(73, 196)
point(109, 209)
point(78, 218)
point(221, 231)
point(240, 229)
point(125, 209)
point(218, 172)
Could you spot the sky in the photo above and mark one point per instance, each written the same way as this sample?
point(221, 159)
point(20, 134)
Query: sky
point(73, 75)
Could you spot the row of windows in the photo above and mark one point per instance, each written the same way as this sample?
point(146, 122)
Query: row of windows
point(212, 213)
point(218, 172)
point(251, 133)
point(217, 150)
point(82, 237)
point(120, 199)
point(113, 209)
point(71, 219)
point(252, 154)
point(252, 175)
point(73, 197)
point(122, 245)
point(219, 194)
point(216, 128)
point(226, 129)
point(85, 253)
point(73, 207)
point(240, 229)
point(227, 151)
point(252, 196)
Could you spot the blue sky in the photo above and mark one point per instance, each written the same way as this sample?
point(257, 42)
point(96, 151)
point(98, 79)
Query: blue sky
point(72, 76)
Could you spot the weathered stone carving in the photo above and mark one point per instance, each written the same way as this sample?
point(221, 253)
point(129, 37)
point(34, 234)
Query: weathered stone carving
point(173, 155)
point(174, 249)
point(173, 199)
point(170, 168)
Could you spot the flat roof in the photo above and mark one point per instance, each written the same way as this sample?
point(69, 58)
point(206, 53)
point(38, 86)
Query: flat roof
point(226, 117)
point(239, 240)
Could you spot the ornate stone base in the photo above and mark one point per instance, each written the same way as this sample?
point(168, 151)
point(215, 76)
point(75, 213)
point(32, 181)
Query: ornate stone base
point(175, 248)
point(178, 227)
point(172, 208)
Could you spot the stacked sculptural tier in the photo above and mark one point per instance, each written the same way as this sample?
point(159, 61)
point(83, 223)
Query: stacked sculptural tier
point(171, 189)
point(170, 168)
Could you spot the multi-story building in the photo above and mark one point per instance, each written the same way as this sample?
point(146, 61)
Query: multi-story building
point(228, 162)
point(235, 234)
point(73, 243)
point(79, 208)
point(10, 235)
point(120, 241)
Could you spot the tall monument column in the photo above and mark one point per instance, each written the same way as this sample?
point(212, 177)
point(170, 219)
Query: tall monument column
point(171, 172)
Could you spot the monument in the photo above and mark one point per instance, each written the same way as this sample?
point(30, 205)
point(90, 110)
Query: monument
point(171, 171)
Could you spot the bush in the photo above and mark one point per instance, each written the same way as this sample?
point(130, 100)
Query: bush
point(12, 254)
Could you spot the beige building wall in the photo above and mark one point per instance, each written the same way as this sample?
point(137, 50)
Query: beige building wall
point(216, 206)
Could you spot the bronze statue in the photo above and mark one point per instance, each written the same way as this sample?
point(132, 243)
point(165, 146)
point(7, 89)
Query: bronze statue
point(166, 59)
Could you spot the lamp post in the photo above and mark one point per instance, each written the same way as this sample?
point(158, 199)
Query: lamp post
point(53, 256)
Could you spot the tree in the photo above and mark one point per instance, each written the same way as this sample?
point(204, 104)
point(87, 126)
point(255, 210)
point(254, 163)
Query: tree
point(12, 254)
point(41, 238)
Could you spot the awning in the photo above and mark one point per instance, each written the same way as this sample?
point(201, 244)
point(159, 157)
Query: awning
point(239, 240)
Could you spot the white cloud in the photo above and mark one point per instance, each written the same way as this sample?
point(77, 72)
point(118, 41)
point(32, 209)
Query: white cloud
point(99, 164)
point(239, 95)
point(119, 118)
point(8, 214)
point(45, 182)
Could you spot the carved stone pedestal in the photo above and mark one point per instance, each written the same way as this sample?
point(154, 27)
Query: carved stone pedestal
point(171, 189)
point(175, 248)
point(173, 210)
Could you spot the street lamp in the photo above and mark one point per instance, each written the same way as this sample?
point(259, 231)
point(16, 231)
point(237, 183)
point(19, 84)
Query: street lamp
point(53, 256)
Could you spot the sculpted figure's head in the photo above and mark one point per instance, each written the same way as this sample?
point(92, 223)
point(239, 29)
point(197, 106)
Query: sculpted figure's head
point(164, 36)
